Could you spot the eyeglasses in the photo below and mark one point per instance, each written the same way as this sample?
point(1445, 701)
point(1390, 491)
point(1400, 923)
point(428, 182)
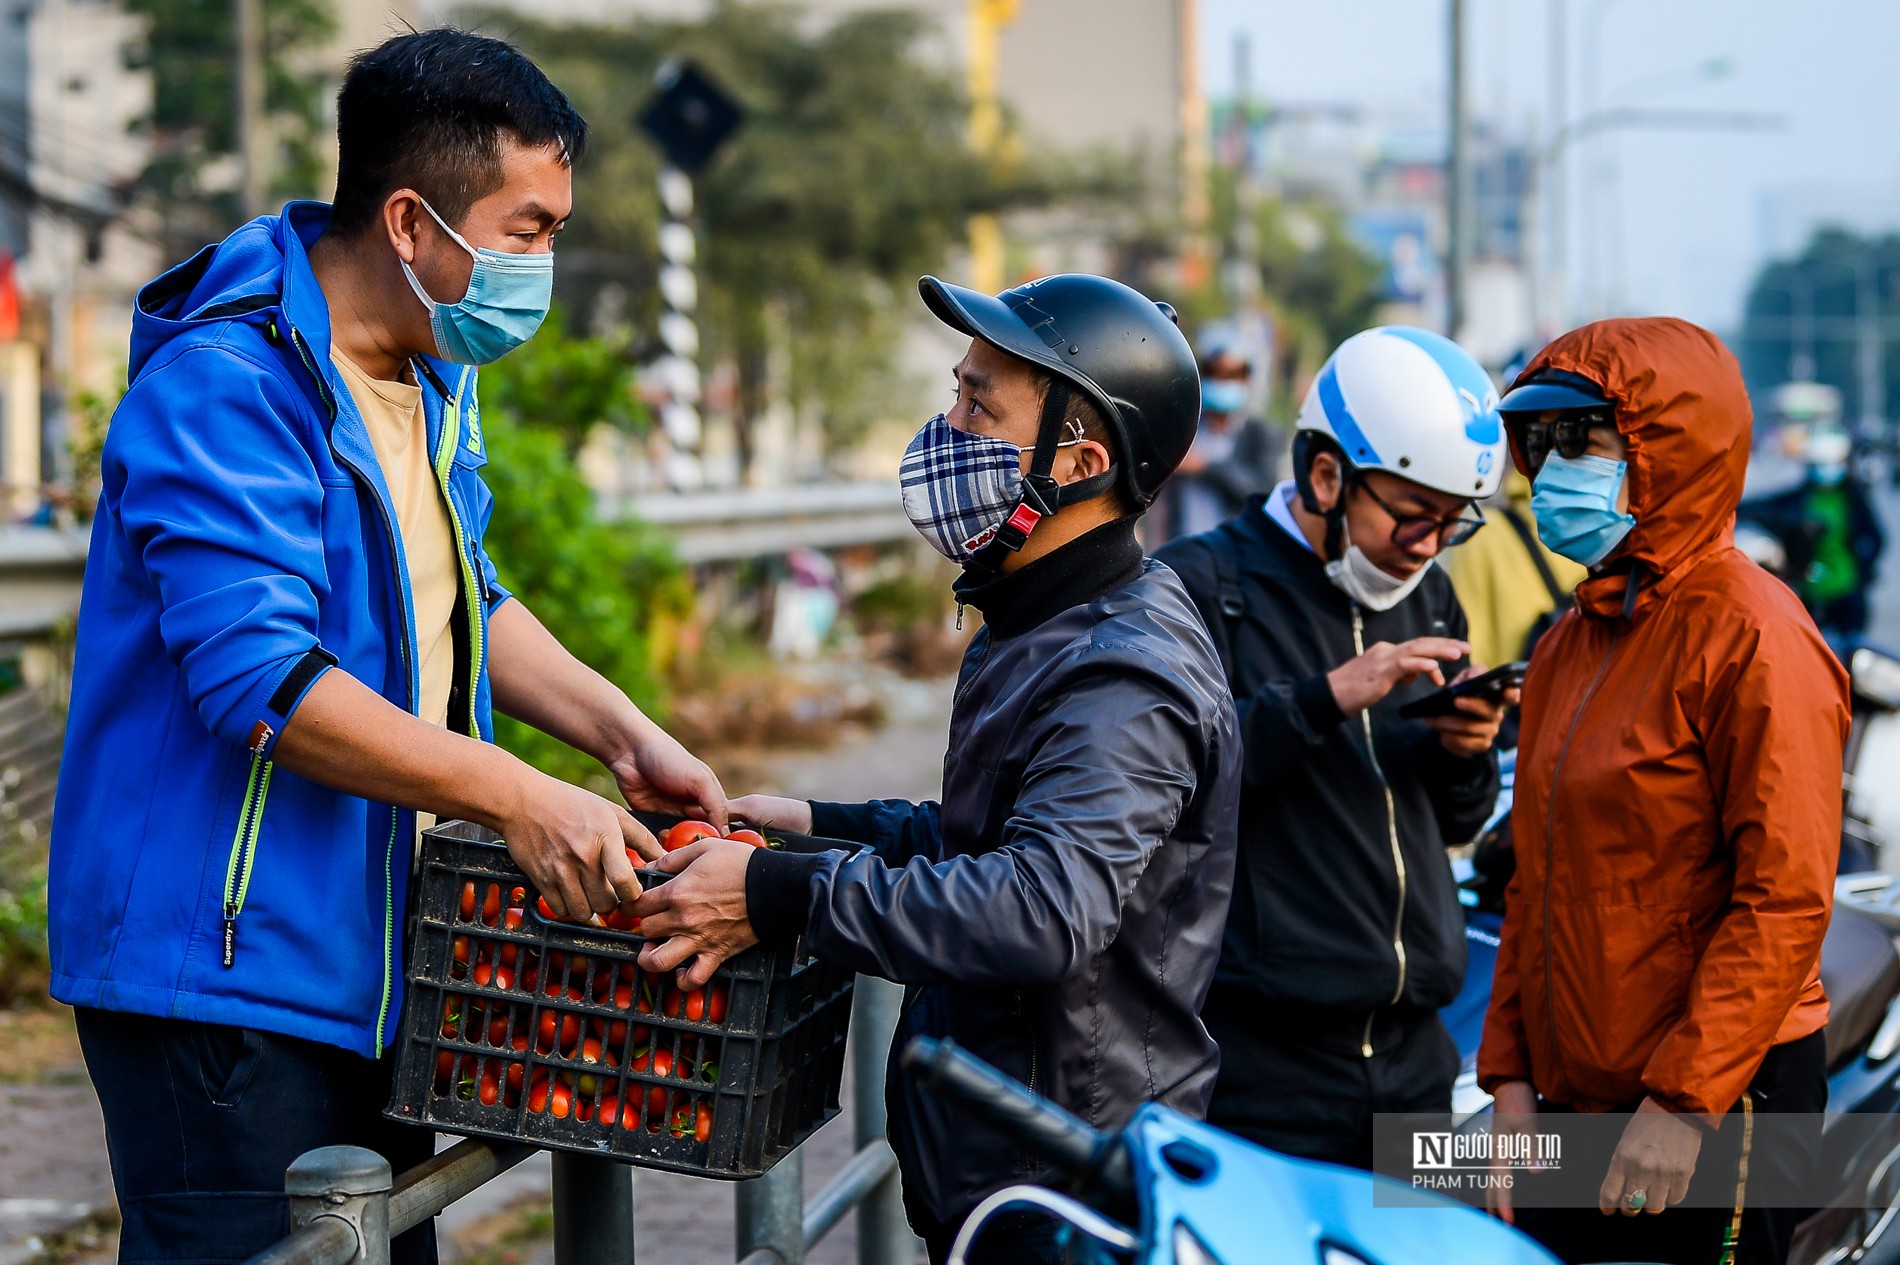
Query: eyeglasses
point(1409, 530)
point(1568, 433)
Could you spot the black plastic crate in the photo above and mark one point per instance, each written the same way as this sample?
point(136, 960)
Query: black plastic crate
point(520, 1027)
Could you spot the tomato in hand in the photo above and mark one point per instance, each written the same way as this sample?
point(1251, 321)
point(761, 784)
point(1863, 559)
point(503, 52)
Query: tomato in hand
point(687, 832)
point(752, 837)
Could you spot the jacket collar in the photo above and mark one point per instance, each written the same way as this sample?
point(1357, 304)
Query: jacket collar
point(1092, 564)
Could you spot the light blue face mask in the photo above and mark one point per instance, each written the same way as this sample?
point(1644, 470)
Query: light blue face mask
point(508, 297)
point(1223, 395)
point(1574, 502)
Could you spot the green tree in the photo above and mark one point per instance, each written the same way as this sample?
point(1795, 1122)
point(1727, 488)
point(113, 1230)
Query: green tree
point(567, 385)
point(190, 50)
point(1810, 305)
point(1321, 285)
point(605, 590)
point(849, 177)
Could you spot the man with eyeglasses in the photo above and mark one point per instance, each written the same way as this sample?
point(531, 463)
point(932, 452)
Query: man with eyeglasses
point(1345, 936)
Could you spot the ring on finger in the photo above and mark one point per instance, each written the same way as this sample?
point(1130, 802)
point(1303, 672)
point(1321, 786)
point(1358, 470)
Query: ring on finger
point(1636, 1200)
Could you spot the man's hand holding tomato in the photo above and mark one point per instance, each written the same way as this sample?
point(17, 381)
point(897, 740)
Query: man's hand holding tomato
point(699, 918)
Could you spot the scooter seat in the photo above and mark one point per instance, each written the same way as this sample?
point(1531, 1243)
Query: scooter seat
point(1861, 973)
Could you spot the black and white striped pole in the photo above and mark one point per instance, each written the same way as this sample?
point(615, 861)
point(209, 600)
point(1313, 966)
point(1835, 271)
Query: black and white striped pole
point(677, 369)
point(689, 117)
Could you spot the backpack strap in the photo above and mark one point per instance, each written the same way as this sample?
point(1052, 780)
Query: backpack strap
point(1229, 599)
point(1558, 597)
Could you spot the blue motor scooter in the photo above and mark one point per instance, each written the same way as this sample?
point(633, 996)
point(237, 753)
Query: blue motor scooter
point(1169, 1190)
point(1860, 968)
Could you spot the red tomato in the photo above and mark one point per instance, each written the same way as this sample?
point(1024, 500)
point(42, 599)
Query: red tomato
point(444, 1073)
point(467, 908)
point(687, 832)
point(693, 1119)
point(621, 920)
point(610, 1108)
point(558, 1030)
point(489, 1092)
point(491, 905)
point(702, 1005)
point(752, 837)
point(494, 976)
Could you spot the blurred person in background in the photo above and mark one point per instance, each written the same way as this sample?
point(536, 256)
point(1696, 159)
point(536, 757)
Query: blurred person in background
point(290, 646)
point(1345, 937)
point(1233, 457)
point(1059, 911)
point(1831, 533)
point(1511, 586)
point(1679, 799)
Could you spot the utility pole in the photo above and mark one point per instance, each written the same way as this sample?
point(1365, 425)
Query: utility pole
point(1457, 180)
point(1871, 350)
point(248, 24)
point(1556, 183)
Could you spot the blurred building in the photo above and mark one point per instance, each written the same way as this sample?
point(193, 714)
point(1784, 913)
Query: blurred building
point(1387, 172)
point(70, 261)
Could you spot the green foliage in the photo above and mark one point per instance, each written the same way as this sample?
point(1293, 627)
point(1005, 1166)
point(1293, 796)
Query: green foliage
point(848, 178)
point(566, 385)
point(1321, 285)
point(605, 590)
point(1818, 293)
point(191, 52)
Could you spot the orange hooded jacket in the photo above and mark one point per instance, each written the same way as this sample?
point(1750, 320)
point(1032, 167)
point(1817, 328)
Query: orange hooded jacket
point(1678, 798)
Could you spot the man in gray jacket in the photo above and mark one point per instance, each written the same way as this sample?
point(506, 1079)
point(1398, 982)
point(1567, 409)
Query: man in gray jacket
point(1060, 912)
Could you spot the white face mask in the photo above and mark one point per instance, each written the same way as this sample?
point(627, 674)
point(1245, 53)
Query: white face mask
point(1368, 584)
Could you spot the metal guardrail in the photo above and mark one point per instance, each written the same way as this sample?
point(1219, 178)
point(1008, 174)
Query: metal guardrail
point(347, 1205)
point(41, 567)
point(731, 524)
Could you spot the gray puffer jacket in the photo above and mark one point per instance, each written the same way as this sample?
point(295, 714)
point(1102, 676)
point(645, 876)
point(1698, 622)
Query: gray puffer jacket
point(1060, 913)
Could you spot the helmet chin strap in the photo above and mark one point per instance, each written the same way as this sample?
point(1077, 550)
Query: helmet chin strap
point(1042, 496)
point(1305, 449)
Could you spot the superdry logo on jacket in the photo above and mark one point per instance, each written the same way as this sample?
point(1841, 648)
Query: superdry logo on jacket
point(244, 543)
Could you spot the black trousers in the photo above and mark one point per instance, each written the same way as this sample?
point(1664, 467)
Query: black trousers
point(1790, 1096)
point(202, 1120)
point(1298, 1080)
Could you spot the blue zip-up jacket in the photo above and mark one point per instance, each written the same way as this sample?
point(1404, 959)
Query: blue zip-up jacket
point(245, 543)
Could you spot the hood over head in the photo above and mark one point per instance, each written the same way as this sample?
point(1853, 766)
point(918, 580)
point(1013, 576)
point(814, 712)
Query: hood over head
point(1682, 408)
point(258, 270)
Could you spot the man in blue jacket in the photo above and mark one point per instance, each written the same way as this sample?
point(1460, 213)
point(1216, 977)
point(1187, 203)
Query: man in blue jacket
point(290, 645)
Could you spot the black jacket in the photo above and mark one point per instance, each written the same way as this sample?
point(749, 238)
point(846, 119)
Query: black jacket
point(1060, 913)
point(1317, 894)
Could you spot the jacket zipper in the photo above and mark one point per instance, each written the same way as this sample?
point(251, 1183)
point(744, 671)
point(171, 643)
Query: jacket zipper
point(1392, 837)
point(409, 672)
point(237, 871)
point(471, 588)
point(1550, 832)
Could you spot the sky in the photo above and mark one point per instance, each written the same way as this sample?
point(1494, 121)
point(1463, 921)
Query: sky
point(1692, 209)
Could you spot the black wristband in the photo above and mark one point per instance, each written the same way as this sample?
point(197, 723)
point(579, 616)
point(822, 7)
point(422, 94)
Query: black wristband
point(778, 891)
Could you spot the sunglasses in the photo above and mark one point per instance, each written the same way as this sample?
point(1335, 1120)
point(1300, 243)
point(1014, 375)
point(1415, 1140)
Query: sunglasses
point(1409, 530)
point(1568, 434)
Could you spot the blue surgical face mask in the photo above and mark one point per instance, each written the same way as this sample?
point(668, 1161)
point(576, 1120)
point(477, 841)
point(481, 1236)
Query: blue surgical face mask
point(1574, 502)
point(1223, 395)
point(508, 297)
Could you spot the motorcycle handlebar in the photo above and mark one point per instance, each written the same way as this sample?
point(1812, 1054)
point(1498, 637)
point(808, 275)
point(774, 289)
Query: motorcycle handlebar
point(1065, 1141)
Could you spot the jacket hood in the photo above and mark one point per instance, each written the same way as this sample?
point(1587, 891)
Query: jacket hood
point(259, 269)
point(1682, 408)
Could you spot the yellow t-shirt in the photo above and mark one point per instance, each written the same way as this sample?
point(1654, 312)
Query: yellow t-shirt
point(398, 431)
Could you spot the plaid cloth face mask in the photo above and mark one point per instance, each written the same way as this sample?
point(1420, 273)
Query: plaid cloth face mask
point(958, 487)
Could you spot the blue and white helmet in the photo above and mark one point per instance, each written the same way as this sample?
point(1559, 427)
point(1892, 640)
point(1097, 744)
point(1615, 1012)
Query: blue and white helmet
point(1414, 404)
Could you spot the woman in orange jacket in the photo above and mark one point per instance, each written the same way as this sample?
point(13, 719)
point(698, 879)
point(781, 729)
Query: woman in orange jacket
point(1678, 808)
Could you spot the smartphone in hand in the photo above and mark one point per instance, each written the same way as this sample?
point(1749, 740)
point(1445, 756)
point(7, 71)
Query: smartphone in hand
point(1489, 685)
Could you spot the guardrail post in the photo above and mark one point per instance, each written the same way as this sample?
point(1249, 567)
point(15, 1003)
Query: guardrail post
point(772, 1212)
point(349, 1183)
point(593, 1211)
point(884, 1236)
